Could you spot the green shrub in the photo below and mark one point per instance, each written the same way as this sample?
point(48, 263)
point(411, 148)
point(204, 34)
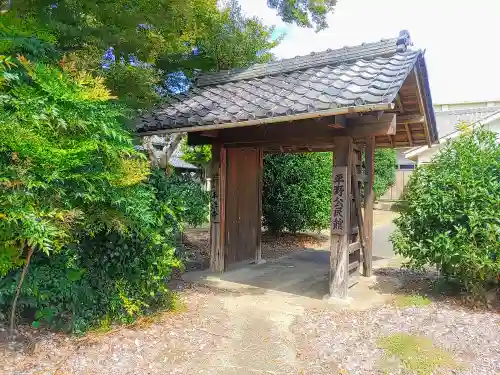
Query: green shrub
point(74, 193)
point(196, 155)
point(385, 170)
point(107, 277)
point(297, 188)
point(110, 276)
point(451, 215)
point(186, 198)
point(297, 191)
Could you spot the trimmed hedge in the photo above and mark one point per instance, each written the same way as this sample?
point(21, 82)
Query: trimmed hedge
point(297, 188)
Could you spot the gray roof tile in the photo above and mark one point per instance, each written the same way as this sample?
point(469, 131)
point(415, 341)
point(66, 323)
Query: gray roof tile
point(371, 73)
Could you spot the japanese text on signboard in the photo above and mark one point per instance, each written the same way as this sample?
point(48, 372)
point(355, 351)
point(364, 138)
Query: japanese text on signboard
point(339, 200)
point(214, 206)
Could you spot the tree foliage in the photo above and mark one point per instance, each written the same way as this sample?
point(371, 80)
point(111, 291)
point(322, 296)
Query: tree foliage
point(77, 201)
point(70, 178)
point(146, 49)
point(231, 41)
point(113, 275)
point(196, 155)
point(184, 196)
point(451, 217)
point(146, 29)
point(63, 151)
point(305, 13)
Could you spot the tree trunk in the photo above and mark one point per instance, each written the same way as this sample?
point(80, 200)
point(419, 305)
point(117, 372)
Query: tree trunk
point(5, 6)
point(19, 286)
point(177, 138)
point(168, 151)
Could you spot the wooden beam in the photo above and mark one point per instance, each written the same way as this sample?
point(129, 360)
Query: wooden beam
point(355, 246)
point(222, 204)
point(297, 150)
point(356, 214)
point(287, 145)
point(341, 217)
point(210, 133)
point(408, 133)
point(353, 266)
point(196, 139)
point(369, 202)
point(391, 141)
point(421, 106)
point(357, 204)
point(340, 122)
point(410, 119)
point(369, 125)
point(302, 133)
point(379, 114)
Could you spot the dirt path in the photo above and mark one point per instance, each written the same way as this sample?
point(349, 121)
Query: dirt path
point(261, 341)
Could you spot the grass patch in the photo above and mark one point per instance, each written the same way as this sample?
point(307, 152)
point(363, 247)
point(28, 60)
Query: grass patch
point(413, 354)
point(413, 300)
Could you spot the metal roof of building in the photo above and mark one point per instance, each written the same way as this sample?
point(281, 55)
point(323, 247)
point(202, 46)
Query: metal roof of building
point(447, 121)
point(176, 160)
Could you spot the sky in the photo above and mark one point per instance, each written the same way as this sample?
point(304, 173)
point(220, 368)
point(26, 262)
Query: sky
point(461, 38)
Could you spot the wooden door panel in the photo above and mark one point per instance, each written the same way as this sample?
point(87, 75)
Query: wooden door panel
point(242, 221)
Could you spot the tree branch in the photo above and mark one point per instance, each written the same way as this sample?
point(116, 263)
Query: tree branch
point(18, 290)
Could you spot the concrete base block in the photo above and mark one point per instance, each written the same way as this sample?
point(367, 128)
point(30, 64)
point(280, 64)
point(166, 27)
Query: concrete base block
point(337, 300)
point(260, 261)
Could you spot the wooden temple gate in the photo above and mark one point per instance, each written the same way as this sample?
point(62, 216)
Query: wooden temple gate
point(346, 101)
point(237, 206)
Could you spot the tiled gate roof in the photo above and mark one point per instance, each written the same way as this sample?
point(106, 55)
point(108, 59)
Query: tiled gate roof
point(367, 74)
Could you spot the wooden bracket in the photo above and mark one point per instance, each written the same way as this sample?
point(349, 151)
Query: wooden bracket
point(339, 122)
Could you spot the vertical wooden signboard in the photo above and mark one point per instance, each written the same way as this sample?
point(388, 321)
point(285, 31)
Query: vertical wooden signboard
point(341, 218)
point(339, 201)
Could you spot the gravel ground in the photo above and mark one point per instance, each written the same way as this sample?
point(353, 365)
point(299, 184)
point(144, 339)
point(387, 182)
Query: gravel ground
point(348, 341)
point(170, 345)
point(225, 333)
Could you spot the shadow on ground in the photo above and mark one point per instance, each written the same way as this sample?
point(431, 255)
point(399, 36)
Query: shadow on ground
point(303, 273)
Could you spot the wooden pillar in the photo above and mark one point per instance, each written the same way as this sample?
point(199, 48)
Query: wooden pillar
point(369, 200)
point(217, 208)
point(340, 228)
point(258, 252)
